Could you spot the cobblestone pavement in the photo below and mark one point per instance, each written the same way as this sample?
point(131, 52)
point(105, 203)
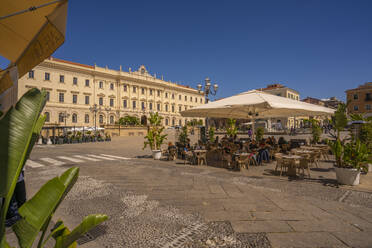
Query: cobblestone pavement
point(169, 204)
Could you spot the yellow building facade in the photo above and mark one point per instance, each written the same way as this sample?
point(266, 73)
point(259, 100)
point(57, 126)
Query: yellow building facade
point(73, 89)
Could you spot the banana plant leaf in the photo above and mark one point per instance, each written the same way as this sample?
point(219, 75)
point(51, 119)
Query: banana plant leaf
point(36, 212)
point(66, 239)
point(16, 132)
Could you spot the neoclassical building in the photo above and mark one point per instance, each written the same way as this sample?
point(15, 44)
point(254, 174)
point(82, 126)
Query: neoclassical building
point(73, 89)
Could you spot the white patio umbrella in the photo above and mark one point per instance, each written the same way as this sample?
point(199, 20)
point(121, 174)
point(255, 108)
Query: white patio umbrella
point(256, 104)
point(30, 31)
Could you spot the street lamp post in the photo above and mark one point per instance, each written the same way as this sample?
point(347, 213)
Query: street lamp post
point(107, 109)
point(94, 109)
point(65, 116)
point(208, 90)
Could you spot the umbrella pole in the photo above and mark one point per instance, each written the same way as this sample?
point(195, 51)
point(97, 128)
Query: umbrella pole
point(253, 133)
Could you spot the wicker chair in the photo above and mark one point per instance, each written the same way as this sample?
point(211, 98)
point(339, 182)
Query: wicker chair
point(304, 164)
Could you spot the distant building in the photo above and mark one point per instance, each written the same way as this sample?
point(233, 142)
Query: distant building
point(73, 88)
point(283, 91)
point(360, 99)
point(332, 102)
point(313, 101)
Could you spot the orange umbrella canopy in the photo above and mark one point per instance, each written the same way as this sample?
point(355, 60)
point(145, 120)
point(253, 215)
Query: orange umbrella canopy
point(30, 31)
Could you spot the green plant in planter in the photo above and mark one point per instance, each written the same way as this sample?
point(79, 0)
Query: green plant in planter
point(259, 134)
point(211, 134)
point(19, 129)
point(338, 150)
point(356, 155)
point(316, 130)
point(154, 137)
point(231, 129)
point(183, 136)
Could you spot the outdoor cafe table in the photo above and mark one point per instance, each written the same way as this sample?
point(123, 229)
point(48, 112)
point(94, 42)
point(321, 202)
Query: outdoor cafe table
point(200, 154)
point(294, 160)
point(241, 158)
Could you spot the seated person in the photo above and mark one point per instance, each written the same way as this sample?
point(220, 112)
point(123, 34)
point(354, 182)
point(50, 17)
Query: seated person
point(263, 153)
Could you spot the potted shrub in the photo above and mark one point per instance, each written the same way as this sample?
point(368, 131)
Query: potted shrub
point(231, 129)
point(154, 137)
point(353, 159)
point(259, 134)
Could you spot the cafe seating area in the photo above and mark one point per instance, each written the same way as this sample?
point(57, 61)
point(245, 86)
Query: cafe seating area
point(235, 154)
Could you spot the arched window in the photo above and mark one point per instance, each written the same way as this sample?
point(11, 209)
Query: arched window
point(47, 117)
point(112, 119)
point(61, 117)
point(167, 122)
point(173, 122)
point(101, 119)
point(74, 118)
point(86, 118)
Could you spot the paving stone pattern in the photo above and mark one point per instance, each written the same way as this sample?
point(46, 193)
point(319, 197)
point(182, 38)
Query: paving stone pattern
point(168, 204)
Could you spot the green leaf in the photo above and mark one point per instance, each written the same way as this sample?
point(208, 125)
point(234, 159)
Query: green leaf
point(37, 211)
point(16, 131)
point(64, 241)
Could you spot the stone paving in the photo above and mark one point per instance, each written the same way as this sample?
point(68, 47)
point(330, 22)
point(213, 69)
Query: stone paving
point(168, 204)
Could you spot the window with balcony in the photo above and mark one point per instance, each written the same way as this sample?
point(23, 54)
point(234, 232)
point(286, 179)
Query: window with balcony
point(166, 94)
point(158, 93)
point(368, 97)
point(61, 97)
point(100, 101)
point(185, 98)
point(196, 99)
point(134, 89)
point(125, 87)
point(150, 92)
point(111, 86)
point(74, 99)
point(47, 117)
point(100, 85)
point(111, 102)
point(167, 122)
point(74, 80)
point(112, 119)
point(125, 104)
point(143, 105)
point(100, 119)
point(142, 91)
point(31, 74)
point(86, 99)
point(61, 78)
point(47, 76)
point(190, 98)
point(74, 118)
point(158, 107)
point(86, 118)
point(134, 103)
point(166, 107)
point(87, 82)
point(61, 117)
point(150, 105)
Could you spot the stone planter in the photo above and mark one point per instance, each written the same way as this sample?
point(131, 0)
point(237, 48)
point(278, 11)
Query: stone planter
point(156, 154)
point(347, 176)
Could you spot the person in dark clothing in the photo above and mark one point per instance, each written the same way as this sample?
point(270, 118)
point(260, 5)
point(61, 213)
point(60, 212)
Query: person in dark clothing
point(18, 199)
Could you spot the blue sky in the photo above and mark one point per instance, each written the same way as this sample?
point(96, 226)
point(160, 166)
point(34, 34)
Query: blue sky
point(319, 48)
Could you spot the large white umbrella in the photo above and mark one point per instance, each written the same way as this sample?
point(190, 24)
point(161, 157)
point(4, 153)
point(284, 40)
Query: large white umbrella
point(256, 104)
point(30, 31)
